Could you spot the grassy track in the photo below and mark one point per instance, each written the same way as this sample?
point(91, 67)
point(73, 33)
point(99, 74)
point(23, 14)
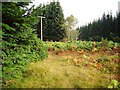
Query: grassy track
point(71, 69)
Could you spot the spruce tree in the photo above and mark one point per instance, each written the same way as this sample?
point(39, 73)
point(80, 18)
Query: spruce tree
point(53, 24)
point(20, 44)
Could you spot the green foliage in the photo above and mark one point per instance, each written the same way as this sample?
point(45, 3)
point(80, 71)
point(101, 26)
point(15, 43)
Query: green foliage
point(102, 59)
point(15, 60)
point(79, 45)
point(114, 84)
point(106, 27)
point(69, 69)
point(70, 23)
point(85, 45)
point(20, 44)
point(104, 43)
point(53, 24)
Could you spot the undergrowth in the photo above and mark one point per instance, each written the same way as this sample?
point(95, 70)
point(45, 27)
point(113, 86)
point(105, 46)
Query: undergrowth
point(16, 60)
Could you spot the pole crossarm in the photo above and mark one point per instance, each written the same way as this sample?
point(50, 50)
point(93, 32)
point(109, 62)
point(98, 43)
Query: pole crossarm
point(41, 27)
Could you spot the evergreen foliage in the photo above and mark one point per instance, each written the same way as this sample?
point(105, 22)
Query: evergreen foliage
point(53, 24)
point(106, 27)
point(20, 44)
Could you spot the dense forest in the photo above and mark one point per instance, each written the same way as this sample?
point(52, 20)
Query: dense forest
point(21, 34)
point(57, 28)
point(53, 24)
point(106, 27)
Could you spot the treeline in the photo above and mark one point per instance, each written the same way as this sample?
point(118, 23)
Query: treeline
point(57, 28)
point(107, 27)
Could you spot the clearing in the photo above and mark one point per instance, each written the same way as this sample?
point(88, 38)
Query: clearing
point(72, 69)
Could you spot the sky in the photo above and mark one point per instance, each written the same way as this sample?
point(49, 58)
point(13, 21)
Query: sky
point(85, 11)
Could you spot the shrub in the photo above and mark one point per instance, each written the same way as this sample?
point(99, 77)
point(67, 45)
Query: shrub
point(114, 84)
point(104, 43)
point(15, 60)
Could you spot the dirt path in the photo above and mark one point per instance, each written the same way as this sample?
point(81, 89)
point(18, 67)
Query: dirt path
point(69, 69)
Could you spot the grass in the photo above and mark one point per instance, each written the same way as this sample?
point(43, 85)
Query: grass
point(61, 71)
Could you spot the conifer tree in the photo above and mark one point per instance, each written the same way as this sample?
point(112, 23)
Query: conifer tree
point(20, 44)
point(105, 27)
point(53, 24)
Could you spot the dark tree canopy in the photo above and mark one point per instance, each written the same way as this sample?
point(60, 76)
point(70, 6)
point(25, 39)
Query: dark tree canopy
point(106, 27)
point(53, 24)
